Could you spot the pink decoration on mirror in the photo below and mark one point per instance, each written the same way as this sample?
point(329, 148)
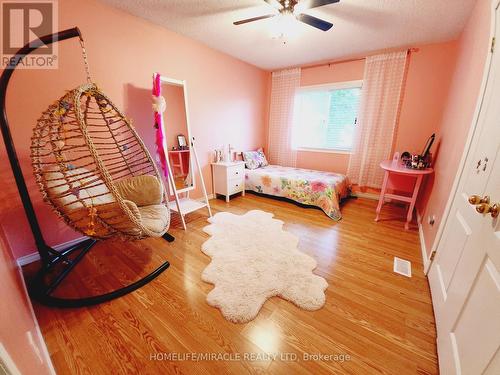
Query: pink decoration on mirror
point(159, 126)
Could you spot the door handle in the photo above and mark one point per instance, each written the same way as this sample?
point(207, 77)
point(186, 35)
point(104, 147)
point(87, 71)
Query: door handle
point(485, 208)
point(476, 199)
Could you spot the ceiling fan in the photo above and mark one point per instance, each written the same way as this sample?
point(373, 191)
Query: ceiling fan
point(295, 8)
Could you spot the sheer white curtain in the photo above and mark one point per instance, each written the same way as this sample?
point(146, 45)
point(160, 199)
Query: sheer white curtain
point(383, 88)
point(283, 87)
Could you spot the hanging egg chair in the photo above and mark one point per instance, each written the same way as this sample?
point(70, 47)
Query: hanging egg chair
point(95, 172)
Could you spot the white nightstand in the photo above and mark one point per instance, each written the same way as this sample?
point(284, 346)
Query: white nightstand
point(228, 178)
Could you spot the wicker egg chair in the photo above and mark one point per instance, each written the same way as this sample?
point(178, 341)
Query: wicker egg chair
point(95, 172)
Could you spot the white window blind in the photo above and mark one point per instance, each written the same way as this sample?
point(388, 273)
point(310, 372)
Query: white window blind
point(325, 117)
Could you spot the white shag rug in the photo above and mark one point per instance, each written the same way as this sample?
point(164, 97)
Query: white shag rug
point(253, 259)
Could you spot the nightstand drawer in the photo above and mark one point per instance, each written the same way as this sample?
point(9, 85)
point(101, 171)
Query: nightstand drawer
point(237, 171)
point(235, 185)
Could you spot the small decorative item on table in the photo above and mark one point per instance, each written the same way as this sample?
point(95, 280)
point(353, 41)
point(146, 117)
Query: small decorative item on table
point(181, 139)
point(419, 161)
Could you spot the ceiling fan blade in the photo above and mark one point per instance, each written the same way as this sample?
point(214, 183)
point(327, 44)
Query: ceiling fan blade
point(314, 22)
point(253, 19)
point(274, 3)
point(308, 4)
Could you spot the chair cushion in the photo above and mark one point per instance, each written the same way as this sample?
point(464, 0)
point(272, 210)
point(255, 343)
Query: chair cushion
point(145, 191)
point(142, 190)
point(110, 213)
point(155, 217)
point(84, 185)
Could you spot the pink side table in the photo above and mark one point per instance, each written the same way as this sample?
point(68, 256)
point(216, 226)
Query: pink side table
point(396, 167)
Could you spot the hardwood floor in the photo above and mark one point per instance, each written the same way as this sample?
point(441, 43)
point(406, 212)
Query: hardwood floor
point(382, 321)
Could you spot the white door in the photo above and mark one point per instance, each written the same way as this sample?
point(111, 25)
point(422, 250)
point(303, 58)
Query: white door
point(465, 274)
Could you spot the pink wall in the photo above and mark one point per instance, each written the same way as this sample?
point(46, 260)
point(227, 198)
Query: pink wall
point(428, 81)
point(427, 87)
point(452, 131)
point(17, 324)
point(227, 97)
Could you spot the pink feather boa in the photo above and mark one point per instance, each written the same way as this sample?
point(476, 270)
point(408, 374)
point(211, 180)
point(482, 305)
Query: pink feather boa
point(159, 127)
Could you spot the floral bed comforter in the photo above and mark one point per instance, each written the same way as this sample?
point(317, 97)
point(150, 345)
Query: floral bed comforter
point(316, 188)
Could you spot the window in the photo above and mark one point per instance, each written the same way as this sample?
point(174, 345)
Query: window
point(325, 116)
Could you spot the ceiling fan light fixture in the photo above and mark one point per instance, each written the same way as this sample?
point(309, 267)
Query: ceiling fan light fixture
point(275, 4)
point(299, 8)
point(293, 9)
point(285, 26)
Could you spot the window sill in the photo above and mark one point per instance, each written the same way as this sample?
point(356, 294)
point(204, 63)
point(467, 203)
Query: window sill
point(324, 150)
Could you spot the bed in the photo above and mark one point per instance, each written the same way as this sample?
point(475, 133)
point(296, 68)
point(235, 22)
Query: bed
point(309, 187)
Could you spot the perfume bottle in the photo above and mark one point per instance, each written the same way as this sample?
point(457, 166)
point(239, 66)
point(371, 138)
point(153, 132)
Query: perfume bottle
point(225, 154)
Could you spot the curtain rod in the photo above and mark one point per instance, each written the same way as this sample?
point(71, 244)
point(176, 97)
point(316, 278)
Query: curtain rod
point(408, 51)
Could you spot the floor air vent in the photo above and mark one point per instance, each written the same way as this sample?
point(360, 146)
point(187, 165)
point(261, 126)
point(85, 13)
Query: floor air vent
point(403, 267)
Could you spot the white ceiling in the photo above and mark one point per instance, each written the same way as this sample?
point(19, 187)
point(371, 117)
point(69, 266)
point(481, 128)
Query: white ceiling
point(360, 26)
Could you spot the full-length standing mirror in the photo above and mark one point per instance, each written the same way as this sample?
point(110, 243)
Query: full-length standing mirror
point(176, 125)
point(177, 145)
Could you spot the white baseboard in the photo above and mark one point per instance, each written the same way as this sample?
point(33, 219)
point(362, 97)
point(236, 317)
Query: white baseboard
point(33, 257)
point(27, 259)
point(360, 194)
point(425, 258)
